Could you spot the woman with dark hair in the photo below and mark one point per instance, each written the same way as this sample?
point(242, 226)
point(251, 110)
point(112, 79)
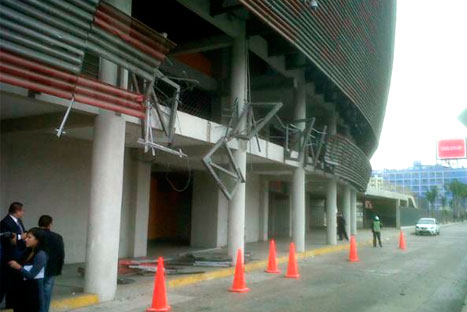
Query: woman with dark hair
point(32, 271)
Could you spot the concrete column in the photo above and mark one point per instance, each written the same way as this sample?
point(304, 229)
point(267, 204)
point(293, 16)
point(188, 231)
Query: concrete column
point(103, 234)
point(331, 212)
point(346, 203)
point(290, 212)
point(298, 178)
point(237, 204)
point(141, 209)
point(105, 198)
point(331, 194)
point(353, 213)
point(265, 210)
point(398, 213)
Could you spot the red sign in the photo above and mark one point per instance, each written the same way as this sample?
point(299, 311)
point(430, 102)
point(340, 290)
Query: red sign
point(451, 149)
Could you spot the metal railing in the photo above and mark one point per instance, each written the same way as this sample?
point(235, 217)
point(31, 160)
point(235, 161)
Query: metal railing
point(347, 161)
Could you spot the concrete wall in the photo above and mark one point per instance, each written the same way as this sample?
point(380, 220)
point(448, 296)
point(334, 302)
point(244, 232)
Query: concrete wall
point(279, 216)
point(3, 174)
point(317, 218)
point(410, 216)
point(222, 220)
point(52, 176)
point(128, 197)
point(209, 213)
point(209, 219)
point(252, 213)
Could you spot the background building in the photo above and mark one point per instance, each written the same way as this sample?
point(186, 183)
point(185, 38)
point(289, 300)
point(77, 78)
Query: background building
point(421, 178)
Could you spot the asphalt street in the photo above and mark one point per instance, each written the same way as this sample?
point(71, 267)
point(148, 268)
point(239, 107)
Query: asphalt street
point(431, 275)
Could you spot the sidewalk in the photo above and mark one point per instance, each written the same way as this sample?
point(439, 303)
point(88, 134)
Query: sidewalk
point(141, 287)
point(68, 292)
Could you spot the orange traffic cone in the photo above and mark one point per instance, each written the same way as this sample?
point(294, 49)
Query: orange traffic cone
point(292, 268)
point(239, 284)
point(272, 264)
point(159, 297)
point(402, 241)
point(353, 256)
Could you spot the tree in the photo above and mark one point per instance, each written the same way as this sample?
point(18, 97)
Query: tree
point(431, 196)
point(444, 201)
point(459, 194)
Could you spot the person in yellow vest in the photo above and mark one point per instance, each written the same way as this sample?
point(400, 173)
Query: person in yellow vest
point(376, 229)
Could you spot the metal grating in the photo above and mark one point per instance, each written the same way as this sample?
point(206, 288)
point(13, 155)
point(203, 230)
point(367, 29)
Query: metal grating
point(127, 42)
point(39, 77)
point(44, 45)
point(53, 32)
point(347, 161)
point(350, 41)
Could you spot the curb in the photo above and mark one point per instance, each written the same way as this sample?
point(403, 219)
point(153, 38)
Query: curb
point(261, 264)
point(75, 302)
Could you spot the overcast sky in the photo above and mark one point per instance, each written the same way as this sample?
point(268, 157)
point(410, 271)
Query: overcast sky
point(429, 82)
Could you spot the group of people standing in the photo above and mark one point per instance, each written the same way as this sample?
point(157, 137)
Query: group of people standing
point(30, 261)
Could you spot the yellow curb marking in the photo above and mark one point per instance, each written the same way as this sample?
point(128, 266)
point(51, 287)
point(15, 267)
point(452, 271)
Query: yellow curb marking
point(257, 265)
point(75, 302)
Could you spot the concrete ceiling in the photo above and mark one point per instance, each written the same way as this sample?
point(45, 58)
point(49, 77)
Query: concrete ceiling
point(16, 106)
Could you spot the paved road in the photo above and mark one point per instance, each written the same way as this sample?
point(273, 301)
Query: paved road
point(430, 276)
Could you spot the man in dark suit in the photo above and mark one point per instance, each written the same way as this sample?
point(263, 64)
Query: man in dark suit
point(12, 248)
point(56, 253)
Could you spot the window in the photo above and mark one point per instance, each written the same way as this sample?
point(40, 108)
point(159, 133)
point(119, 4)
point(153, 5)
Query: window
point(426, 221)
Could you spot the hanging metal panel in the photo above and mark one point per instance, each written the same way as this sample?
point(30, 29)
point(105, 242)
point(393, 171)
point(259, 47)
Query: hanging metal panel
point(229, 169)
point(350, 41)
point(48, 31)
point(39, 77)
point(347, 161)
point(46, 40)
point(127, 42)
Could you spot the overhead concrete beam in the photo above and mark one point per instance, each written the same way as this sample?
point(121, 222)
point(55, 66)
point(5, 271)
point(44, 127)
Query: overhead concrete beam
point(203, 45)
point(46, 122)
point(266, 82)
point(259, 46)
point(232, 27)
point(181, 70)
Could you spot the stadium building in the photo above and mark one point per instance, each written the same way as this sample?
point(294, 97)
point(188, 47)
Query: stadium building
point(207, 123)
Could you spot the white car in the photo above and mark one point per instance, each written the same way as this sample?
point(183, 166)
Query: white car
point(427, 225)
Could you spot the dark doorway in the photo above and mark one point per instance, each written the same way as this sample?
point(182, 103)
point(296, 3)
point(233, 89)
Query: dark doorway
point(170, 208)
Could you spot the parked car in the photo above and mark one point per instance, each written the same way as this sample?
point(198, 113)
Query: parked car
point(427, 225)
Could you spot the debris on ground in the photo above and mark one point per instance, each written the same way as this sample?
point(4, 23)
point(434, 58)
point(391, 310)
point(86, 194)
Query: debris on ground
point(125, 281)
point(176, 265)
